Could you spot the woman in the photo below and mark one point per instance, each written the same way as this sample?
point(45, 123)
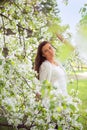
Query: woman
point(49, 69)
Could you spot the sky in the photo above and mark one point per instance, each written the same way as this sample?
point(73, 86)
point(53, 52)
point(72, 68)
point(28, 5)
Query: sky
point(70, 13)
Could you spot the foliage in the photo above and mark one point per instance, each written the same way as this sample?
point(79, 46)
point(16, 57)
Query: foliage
point(83, 21)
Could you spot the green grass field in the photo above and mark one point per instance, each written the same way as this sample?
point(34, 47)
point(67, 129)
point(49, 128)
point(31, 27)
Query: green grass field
point(81, 86)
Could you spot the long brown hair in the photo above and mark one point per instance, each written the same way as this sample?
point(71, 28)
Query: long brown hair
point(39, 57)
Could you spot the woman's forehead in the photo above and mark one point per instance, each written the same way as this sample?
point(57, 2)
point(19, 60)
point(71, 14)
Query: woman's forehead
point(46, 45)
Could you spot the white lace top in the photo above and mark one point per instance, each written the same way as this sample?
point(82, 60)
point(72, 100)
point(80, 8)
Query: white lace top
point(54, 74)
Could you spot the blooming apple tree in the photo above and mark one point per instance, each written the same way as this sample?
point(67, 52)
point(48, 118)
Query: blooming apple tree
point(24, 101)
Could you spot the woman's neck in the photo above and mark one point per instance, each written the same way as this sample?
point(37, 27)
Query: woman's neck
point(52, 61)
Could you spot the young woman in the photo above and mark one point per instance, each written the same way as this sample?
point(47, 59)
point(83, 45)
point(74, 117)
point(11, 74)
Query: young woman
point(50, 69)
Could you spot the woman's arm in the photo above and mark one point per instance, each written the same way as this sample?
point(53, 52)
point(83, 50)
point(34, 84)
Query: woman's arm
point(63, 40)
point(45, 71)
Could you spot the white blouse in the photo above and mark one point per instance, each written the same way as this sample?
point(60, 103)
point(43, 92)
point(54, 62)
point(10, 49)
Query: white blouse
point(55, 75)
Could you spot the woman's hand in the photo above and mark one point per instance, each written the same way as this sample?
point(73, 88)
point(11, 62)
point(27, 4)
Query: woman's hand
point(38, 96)
point(60, 37)
point(63, 40)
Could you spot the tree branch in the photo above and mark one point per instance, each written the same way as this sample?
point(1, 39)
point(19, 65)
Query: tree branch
point(2, 15)
point(6, 125)
point(19, 126)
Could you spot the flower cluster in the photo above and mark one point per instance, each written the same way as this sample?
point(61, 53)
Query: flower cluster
point(21, 105)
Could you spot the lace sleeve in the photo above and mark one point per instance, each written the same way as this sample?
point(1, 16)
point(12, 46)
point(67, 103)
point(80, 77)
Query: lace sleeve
point(45, 71)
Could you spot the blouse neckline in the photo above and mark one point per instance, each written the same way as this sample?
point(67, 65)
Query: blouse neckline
point(53, 64)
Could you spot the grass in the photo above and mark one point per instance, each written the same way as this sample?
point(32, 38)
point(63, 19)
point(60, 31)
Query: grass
point(82, 88)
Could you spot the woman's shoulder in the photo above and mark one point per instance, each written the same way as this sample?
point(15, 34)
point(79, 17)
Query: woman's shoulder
point(45, 64)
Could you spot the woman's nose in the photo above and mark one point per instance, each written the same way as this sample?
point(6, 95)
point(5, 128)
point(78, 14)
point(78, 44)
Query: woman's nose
point(50, 51)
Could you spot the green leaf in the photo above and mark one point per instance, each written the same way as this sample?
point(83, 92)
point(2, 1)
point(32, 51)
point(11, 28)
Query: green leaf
point(72, 107)
point(84, 9)
point(60, 128)
point(1, 61)
point(59, 109)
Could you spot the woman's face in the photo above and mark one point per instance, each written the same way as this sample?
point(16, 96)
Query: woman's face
point(48, 51)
